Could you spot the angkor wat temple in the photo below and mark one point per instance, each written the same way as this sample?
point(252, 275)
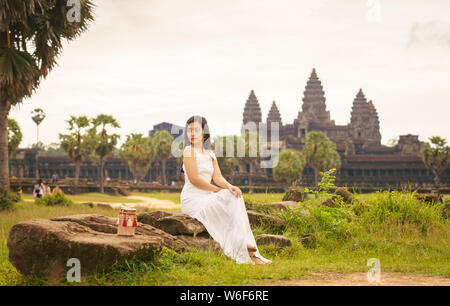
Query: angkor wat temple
point(365, 161)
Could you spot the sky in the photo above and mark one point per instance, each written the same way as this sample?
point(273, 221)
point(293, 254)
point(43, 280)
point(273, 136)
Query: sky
point(150, 61)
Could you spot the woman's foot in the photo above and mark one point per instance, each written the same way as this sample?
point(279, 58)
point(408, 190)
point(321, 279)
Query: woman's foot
point(257, 260)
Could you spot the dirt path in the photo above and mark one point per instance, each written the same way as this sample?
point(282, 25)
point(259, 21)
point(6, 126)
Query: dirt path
point(360, 279)
point(147, 202)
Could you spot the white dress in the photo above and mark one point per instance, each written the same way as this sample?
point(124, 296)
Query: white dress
point(223, 215)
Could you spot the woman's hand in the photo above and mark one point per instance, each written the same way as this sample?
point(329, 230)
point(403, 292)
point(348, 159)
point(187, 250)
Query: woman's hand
point(235, 190)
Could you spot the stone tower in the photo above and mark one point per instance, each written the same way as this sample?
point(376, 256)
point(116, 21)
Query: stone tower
point(314, 107)
point(252, 111)
point(364, 126)
point(273, 116)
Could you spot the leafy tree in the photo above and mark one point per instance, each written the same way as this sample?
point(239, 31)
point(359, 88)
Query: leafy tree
point(31, 38)
point(290, 166)
point(436, 157)
point(102, 141)
point(76, 143)
point(320, 153)
point(139, 152)
point(14, 136)
point(162, 142)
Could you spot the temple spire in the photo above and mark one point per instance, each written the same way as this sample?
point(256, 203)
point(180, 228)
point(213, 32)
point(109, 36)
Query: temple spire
point(252, 110)
point(274, 115)
point(314, 107)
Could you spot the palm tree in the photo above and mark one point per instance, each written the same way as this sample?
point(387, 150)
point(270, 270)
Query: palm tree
point(102, 142)
point(436, 157)
point(320, 153)
point(31, 37)
point(14, 136)
point(76, 144)
point(139, 152)
point(162, 142)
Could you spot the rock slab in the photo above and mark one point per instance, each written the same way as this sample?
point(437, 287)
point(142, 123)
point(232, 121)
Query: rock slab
point(42, 247)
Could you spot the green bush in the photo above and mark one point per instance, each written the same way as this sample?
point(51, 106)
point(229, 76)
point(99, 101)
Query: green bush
point(59, 199)
point(400, 208)
point(328, 222)
point(7, 200)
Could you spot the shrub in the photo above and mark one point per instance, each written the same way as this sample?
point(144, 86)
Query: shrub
point(400, 208)
point(7, 200)
point(328, 222)
point(59, 199)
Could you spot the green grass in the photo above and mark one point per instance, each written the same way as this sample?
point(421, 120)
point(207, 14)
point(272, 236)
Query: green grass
point(404, 234)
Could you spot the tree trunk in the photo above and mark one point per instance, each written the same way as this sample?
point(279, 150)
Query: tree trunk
point(4, 169)
point(437, 183)
point(77, 175)
point(101, 175)
point(163, 170)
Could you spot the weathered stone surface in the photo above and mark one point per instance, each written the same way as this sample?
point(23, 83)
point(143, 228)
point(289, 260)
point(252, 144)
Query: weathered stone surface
point(42, 247)
point(430, 197)
point(278, 240)
point(256, 219)
point(201, 241)
point(295, 194)
point(328, 202)
point(345, 194)
point(174, 223)
point(307, 239)
point(104, 206)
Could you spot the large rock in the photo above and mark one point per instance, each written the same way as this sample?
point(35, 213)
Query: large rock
point(345, 194)
point(174, 223)
point(295, 194)
point(429, 197)
point(42, 247)
point(257, 219)
point(278, 240)
point(182, 226)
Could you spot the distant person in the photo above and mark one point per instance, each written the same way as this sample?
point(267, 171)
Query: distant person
point(37, 189)
point(19, 192)
point(56, 190)
point(46, 190)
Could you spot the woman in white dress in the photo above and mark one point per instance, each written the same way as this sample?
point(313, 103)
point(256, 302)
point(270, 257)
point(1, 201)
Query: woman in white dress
point(221, 210)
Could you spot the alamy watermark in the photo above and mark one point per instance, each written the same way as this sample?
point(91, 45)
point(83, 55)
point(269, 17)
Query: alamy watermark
point(257, 145)
point(74, 13)
point(74, 273)
point(373, 13)
point(374, 273)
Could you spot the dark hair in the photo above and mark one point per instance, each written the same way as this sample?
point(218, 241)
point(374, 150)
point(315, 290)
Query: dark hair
point(206, 135)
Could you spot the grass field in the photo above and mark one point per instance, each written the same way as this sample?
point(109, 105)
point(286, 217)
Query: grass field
point(404, 234)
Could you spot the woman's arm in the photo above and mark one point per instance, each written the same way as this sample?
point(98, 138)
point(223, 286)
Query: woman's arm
point(218, 179)
point(192, 171)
